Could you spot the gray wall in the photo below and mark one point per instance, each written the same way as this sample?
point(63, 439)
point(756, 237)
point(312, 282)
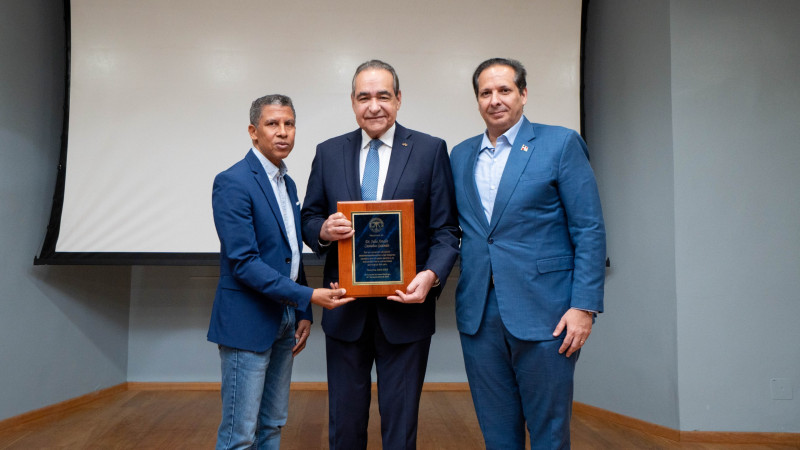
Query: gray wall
point(692, 118)
point(63, 330)
point(692, 112)
point(630, 363)
point(736, 131)
point(171, 306)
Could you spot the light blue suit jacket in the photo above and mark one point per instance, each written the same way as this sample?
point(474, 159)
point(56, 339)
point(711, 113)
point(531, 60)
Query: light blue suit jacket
point(255, 259)
point(545, 244)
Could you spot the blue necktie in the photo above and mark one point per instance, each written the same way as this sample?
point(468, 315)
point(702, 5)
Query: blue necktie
point(369, 184)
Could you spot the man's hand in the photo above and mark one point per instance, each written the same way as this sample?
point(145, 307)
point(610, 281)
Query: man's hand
point(417, 290)
point(301, 336)
point(335, 228)
point(579, 325)
point(330, 298)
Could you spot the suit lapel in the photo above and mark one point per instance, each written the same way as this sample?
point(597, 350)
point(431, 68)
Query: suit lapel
point(350, 152)
point(470, 188)
point(266, 187)
point(517, 160)
point(401, 151)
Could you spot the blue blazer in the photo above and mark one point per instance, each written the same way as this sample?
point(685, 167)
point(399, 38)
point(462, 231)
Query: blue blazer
point(255, 259)
point(545, 244)
point(418, 169)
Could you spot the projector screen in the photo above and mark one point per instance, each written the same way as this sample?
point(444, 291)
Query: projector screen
point(159, 94)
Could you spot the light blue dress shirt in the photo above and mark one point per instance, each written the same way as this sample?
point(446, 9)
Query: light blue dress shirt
point(490, 165)
point(275, 175)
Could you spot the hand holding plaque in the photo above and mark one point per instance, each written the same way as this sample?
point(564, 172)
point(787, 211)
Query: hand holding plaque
point(380, 258)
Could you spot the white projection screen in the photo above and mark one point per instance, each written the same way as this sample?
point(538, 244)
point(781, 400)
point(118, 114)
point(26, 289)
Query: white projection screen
point(159, 93)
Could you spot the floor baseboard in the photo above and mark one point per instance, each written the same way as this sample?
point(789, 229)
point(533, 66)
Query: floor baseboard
point(738, 437)
point(706, 437)
point(630, 422)
point(61, 407)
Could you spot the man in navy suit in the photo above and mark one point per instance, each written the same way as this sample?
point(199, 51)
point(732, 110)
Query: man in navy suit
point(261, 316)
point(381, 160)
point(532, 263)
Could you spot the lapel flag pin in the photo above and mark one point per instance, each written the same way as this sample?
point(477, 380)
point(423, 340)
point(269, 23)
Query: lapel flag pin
point(524, 148)
point(404, 144)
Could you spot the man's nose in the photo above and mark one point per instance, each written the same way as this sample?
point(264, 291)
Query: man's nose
point(373, 105)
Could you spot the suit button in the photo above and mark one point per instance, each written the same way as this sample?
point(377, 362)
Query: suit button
point(288, 260)
point(491, 241)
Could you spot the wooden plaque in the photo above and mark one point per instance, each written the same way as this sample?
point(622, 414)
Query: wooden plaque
point(380, 258)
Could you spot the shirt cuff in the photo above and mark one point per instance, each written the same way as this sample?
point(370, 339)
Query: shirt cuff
point(588, 311)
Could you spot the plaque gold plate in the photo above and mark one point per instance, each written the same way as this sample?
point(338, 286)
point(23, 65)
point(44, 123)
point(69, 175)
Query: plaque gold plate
point(380, 258)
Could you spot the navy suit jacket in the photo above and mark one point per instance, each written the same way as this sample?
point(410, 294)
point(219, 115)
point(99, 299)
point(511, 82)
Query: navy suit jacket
point(545, 244)
point(255, 259)
point(418, 169)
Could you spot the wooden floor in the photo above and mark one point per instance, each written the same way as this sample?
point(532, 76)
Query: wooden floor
point(142, 419)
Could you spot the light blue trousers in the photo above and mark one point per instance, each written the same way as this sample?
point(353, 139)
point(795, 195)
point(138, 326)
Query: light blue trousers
point(515, 382)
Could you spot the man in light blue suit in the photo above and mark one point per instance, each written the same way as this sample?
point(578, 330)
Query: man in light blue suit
point(532, 263)
point(261, 316)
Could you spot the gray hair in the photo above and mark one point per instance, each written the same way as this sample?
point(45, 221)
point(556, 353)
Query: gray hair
point(272, 99)
point(377, 64)
point(519, 72)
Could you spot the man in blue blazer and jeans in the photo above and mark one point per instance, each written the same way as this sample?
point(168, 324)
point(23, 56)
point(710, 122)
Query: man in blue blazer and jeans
point(532, 263)
point(261, 316)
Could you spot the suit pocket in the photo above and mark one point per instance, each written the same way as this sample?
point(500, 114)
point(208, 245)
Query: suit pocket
point(536, 174)
point(554, 264)
point(228, 282)
point(416, 190)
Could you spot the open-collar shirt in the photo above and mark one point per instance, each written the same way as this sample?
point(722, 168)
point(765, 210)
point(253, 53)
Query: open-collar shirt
point(276, 180)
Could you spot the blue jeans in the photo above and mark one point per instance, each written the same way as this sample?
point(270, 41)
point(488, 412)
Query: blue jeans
point(255, 392)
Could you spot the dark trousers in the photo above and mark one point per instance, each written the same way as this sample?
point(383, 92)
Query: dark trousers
point(515, 382)
point(401, 372)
